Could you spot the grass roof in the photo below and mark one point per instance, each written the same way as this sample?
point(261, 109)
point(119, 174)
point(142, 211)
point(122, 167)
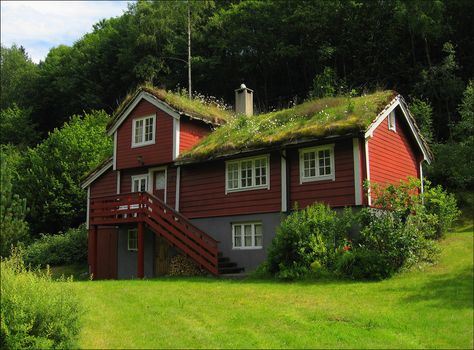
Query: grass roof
point(314, 119)
point(197, 107)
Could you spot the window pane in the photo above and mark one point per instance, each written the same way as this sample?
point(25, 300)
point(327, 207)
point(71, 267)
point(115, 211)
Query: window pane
point(135, 185)
point(246, 173)
point(232, 175)
point(247, 235)
point(258, 241)
point(148, 129)
point(248, 241)
point(160, 180)
point(260, 172)
point(237, 241)
point(238, 230)
point(324, 162)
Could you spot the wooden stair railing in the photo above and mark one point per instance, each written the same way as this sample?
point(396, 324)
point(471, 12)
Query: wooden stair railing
point(161, 218)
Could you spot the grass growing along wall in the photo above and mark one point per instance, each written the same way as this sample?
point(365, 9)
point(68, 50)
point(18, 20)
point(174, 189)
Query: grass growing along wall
point(319, 118)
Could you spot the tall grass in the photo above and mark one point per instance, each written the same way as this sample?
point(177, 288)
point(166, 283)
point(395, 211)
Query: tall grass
point(36, 312)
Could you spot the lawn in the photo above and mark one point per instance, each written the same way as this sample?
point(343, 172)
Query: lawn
point(429, 308)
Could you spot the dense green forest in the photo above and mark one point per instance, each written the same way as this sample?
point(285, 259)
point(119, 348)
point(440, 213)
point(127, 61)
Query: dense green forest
point(287, 51)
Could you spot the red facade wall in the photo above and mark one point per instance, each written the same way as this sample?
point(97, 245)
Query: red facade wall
point(393, 155)
point(191, 132)
point(105, 185)
point(202, 192)
point(335, 193)
point(159, 152)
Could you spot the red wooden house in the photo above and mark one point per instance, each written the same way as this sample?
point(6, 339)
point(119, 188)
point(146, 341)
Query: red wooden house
point(187, 178)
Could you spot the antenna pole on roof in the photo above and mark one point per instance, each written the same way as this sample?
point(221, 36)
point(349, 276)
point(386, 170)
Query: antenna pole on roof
point(189, 51)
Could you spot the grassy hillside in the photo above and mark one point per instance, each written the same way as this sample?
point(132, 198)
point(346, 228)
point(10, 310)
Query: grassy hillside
point(432, 308)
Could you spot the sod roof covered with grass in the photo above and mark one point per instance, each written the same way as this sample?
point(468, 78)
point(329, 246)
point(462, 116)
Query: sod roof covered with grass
point(314, 119)
point(198, 107)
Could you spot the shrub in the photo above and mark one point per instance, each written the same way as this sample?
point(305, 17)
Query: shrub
point(304, 237)
point(436, 209)
point(444, 206)
point(66, 248)
point(397, 241)
point(35, 311)
point(364, 264)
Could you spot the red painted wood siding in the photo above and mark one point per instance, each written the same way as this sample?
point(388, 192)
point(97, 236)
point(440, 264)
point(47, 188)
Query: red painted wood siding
point(158, 153)
point(393, 155)
point(105, 185)
point(335, 193)
point(171, 187)
point(202, 192)
point(191, 132)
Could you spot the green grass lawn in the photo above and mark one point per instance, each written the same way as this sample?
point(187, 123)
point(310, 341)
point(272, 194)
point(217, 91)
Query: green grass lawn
point(430, 308)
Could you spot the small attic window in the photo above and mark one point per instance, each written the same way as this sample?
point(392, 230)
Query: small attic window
point(392, 121)
point(143, 131)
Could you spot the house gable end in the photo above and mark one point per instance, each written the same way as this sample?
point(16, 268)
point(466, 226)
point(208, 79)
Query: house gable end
point(398, 101)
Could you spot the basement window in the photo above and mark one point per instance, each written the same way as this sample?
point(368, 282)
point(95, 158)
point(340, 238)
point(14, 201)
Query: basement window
point(143, 132)
point(132, 239)
point(247, 235)
point(317, 163)
point(392, 125)
point(247, 174)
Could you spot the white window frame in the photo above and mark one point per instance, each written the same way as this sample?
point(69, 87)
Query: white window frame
point(143, 143)
point(239, 179)
point(140, 177)
point(132, 249)
point(242, 224)
point(317, 177)
point(392, 121)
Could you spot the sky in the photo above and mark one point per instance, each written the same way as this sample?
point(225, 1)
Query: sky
point(39, 26)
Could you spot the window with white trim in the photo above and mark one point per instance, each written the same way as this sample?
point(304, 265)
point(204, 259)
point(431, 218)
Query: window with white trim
point(392, 125)
point(247, 174)
point(139, 183)
point(247, 235)
point(132, 239)
point(143, 132)
point(317, 163)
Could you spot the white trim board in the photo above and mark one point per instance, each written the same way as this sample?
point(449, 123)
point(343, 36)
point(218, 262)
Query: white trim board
point(176, 137)
point(367, 170)
point(284, 187)
point(115, 152)
point(357, 172)
point(97, 174)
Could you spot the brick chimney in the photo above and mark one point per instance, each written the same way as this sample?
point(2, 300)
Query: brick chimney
point(244, 100)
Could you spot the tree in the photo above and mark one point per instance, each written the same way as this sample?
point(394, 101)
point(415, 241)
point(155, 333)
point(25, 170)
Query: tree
point(454, 159)
point(52, 171)
point(17, 127)
point(423, 113)
point(13, 227)
point(18, 74)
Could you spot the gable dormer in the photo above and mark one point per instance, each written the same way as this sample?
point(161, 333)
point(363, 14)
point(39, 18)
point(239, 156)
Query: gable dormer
point(148, 130)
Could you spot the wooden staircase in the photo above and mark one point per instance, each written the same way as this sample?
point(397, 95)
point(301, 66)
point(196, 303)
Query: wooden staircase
point(144, 208)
